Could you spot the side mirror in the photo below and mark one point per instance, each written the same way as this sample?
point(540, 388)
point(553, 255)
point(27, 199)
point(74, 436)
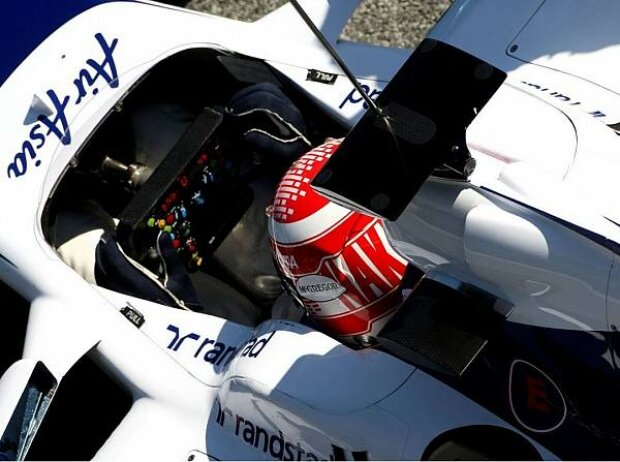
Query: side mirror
point(426, 108)
point(26, 390)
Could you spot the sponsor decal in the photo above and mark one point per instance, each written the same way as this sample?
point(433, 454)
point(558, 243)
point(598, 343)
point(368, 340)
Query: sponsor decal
point(355, 98)
point(368, 268)
point(535, 400)
point(214, 352)
point(274, 443)
point(319, 288)
point(55, 123)
point(564, 98)
point(256, 345)
point(287, 261)
point(133, 315)
point(327, 78)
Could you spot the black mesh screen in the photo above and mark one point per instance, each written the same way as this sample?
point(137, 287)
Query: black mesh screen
point(441, 327)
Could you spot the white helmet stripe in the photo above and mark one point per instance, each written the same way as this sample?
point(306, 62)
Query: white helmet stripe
point(310, 227)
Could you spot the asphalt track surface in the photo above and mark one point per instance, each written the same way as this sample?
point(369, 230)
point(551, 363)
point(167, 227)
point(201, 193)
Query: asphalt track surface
point(401, 23)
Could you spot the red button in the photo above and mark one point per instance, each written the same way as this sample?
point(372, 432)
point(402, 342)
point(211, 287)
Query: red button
point(203, 159)
point(183, 181)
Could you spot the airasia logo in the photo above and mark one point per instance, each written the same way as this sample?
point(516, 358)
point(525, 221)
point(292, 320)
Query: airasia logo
point(319, 288)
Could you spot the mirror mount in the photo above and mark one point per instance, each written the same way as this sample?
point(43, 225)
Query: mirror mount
point(26, 390)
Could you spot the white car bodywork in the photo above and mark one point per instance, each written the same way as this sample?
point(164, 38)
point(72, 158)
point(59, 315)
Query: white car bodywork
point(205, 387)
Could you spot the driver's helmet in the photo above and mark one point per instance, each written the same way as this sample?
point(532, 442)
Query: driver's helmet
point(336, 262)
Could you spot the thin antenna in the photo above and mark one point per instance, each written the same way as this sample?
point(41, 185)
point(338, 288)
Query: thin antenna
point(371, 104)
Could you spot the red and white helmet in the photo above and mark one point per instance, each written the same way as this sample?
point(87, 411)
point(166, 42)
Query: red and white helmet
point(338, 262)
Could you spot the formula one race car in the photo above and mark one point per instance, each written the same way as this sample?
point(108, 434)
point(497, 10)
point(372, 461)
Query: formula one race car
point(210, 252)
